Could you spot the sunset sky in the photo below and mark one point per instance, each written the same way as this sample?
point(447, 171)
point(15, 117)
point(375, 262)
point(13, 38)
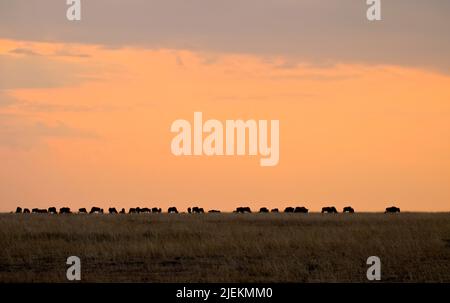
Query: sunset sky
point(86, 107)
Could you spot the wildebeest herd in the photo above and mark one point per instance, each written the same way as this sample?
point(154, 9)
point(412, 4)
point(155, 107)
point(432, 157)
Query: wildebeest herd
point(193, 210)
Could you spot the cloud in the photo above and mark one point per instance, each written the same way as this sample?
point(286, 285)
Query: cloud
point(26, 106)
point(412, 32)
point(39, 72)
point(17, 131)
point(24, 51)
point(68, 53)
point(5, 99)
point(43, 107)
point(64, 52)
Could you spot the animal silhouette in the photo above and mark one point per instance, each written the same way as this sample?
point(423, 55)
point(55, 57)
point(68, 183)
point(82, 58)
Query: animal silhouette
point(392, 209)
point(96, 210)
point(348, 209)
point(329, 210)
point(301, 209)
point(197, 210)
point(289, 210)
point(39, 211)
point(65, 210)
point(172, 210)
point(243, 210)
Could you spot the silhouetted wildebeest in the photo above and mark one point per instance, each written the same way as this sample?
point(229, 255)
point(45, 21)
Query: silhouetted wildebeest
point(112, 210)
point(52, 210)
point(156, 210)
point(122, 211)
point(243, 210)
point(329, 210)
point(197, 210)
point(214, 211)
point(26, 211)
point(392, 209)
point(145, 210)
point(172, 210)
point(39, 211)
point(189, 210)
point(263, 210)
point(96, 210)
point(82, 210)
point(274, 210)
point(289, 210)
point(18, 210)
point(132, 210)
point(348, 209)
point(65, 210)
point(302, 210)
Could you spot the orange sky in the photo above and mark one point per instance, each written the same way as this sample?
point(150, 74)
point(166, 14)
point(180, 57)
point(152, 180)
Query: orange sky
point(85, 125)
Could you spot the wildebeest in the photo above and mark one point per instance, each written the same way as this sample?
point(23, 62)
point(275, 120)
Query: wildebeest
point(189, 210)
point(348, 209)
point(39, 211)
point(156, 210)
point(329, 210)
point(82, 210)
point(132, 210)
point(243, 210)
point(274, 210)
point(96, 210)
point(214, 211)
point(52, 210)
point(301, 209)
point(197, 210)
point(112, 210)
point(392, 209)
point(145, 210)
point(263, 210)
point(122, 211)
point(289, 210)
point(65, 210)
point(26, 211)
point(18, 210)
point(172, 210)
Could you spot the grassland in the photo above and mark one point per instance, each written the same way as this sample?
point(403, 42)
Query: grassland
point(413, 247)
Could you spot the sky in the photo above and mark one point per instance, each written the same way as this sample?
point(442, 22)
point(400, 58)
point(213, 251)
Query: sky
point(86, 107)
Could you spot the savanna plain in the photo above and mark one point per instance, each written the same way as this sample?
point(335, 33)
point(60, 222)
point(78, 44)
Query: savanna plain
point(225, 247)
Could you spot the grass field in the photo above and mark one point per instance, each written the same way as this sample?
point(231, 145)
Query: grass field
point(413, 247)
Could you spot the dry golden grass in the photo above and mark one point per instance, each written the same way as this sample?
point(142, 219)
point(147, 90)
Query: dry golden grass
point(413, 247)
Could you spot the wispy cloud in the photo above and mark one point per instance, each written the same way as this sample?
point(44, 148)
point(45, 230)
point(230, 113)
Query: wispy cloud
point(62, 52)
point(412, 32)
point(68, 53)
point(17, 131)
point(24, 51)
point(27, 68)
